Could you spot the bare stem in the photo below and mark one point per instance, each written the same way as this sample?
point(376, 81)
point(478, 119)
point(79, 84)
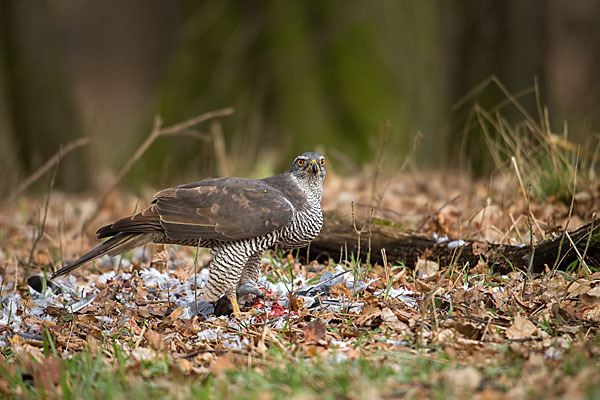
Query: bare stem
point(43, 223)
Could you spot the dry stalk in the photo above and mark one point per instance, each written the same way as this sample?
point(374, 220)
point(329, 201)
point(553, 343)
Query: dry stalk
point(416, 142)
point(382, 138)
point(140, 337)
point(386, 269)
point(579, 256)
point(589, 239)
point(562, 238)
point(223, 164)
point(43, 222)
point(196, 275)
point(514, 226)
point(526, 197)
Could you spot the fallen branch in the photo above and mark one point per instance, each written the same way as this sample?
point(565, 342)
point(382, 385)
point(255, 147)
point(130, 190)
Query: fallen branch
point(181, 128)
point(55, 159)
point(404, 246)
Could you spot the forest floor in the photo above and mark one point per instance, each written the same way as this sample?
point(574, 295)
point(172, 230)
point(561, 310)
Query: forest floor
point(123, 327)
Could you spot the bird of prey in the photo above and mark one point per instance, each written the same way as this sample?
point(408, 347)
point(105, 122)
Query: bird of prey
point(237, 218)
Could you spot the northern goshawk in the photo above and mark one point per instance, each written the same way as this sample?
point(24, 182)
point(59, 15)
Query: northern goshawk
point(237, 218)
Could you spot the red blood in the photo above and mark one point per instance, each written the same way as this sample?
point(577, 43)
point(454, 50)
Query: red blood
point(258, 303)
point(278, 311)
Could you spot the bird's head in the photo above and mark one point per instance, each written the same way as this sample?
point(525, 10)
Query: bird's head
point(309, 166)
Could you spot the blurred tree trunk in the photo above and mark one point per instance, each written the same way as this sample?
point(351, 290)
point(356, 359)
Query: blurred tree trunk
point(571, 66)
point(37, 95)
point(485, 38)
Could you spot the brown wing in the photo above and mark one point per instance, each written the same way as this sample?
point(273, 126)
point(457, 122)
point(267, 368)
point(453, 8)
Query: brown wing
point(147, 221)
point(222, 209)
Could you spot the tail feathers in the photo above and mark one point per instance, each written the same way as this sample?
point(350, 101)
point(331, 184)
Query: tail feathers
point(117, 244)
point(147, 221)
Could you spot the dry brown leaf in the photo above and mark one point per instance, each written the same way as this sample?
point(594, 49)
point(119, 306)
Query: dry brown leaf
point(556, 286)
point(521, 328)
point(160, 259)
point(340, 290)
point(154, 338)
point(296, 303)
point(141, 291)
point(314, 331)
point(427, 269)
point(176, 314)
point(580, 287)
point(46, 372)
point(222, 364)
point(391, 320)
point(595, 291)
point(481, 267)
point(592, 296)
point(469, 329)
point(181, 273)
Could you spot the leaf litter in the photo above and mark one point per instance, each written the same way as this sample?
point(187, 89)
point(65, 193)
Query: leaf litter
point(468, 320)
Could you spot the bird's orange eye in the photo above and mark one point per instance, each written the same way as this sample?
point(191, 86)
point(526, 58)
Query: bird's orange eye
point(300, 163)
point(322, 161)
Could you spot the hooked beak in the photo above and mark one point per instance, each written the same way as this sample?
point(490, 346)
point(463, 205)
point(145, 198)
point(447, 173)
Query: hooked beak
point(314, 166)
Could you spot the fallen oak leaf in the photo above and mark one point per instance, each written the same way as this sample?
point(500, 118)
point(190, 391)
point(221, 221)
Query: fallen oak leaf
point(426, 269)
point(340, 290)
point(46, 372)
point(391, 320)
point(296, 303)
point(521, 328)
point(592, 297)
point(154, 338)
point(314, 331)
point(176, 313)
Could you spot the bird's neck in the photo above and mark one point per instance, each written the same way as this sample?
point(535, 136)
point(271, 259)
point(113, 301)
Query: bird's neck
point(312, 189)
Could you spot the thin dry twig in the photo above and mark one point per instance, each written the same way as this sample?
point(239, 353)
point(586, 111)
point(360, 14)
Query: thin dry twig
point(416, 142)
point(526, 197)
point(558, 259)
point(55, 159)
point(382, 138)
point(581, 260)
point(223, 164)
point(43, 222)
point(195, 276)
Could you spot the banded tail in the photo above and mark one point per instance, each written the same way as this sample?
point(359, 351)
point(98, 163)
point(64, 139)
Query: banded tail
point(125, 235)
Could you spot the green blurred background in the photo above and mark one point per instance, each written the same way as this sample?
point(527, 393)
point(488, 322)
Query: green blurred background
point(302, 75)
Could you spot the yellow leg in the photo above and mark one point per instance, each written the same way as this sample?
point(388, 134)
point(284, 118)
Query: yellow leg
point(232, 297)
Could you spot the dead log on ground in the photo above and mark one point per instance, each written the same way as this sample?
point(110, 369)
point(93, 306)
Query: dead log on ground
point(339, 239)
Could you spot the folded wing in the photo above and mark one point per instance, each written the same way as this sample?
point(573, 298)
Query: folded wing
point(222, 209)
